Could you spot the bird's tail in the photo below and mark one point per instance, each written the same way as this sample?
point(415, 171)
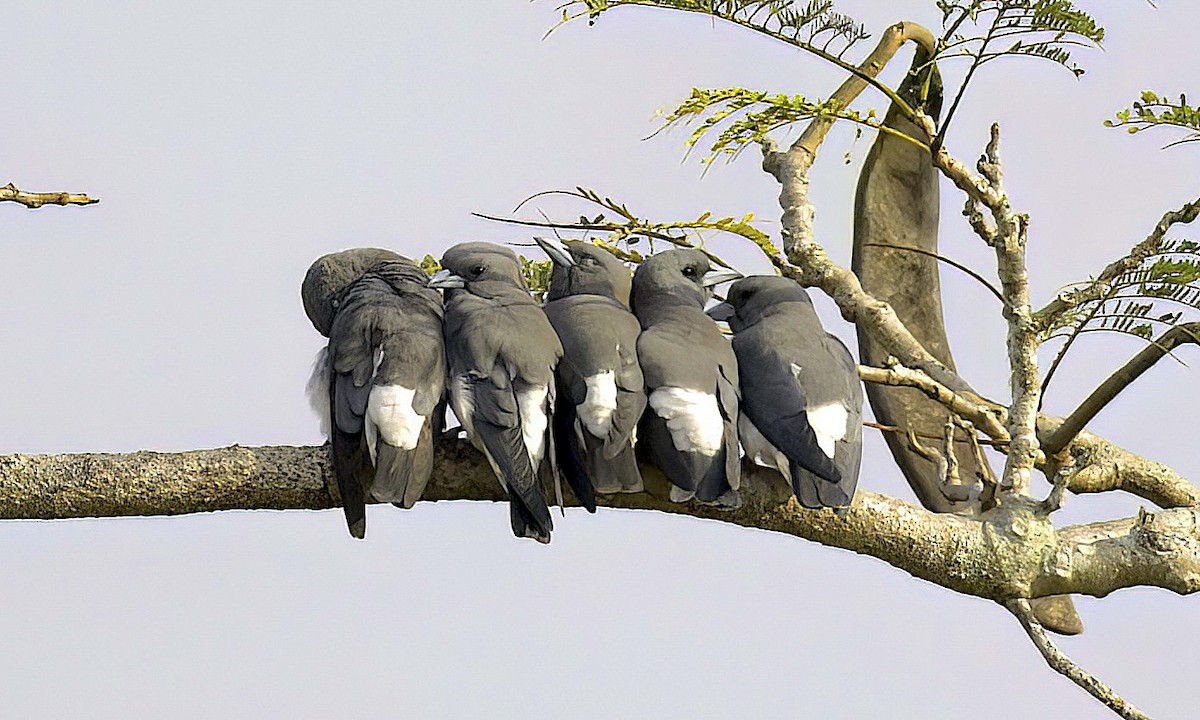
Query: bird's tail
point(530, 512)
point(401, 475)
point(616, 474)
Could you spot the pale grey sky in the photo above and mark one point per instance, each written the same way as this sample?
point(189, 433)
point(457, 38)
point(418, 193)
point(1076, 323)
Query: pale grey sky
point(234, 142)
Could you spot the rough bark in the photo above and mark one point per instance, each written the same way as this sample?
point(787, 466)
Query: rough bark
point(1013, 552)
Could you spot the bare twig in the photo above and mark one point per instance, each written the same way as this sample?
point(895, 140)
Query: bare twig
point(1073, 298)
point(11, 193)
point(984, 416)
point(1062, 664)
point(1118, 381)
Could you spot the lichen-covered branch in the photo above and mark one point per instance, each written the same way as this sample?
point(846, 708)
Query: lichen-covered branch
point(987, 418)
point(1062, 664)
point(1011, 553)
point(1104, 467)
point(1009, 239)
point(11, 193)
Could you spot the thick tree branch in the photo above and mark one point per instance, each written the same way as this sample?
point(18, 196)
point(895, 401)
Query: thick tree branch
point(1063, 664)
point(10, 193)
point(1118, 381)
point(1012, 553)
point(1104, 467)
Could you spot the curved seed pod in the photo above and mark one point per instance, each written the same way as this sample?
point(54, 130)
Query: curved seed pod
point(897, 204)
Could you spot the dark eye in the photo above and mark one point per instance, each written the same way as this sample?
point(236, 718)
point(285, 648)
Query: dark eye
point(477, 270)
point(689, 272)
point(589, 261)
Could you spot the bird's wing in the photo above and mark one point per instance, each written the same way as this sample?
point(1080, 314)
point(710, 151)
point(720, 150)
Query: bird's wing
point(496, 418)
point(775, 403)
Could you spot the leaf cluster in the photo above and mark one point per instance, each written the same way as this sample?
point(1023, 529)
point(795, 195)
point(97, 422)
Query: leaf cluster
point(1157, 294)
point(812, 24)
point(742, 117)
point(1044, 29)
point(1152, 110)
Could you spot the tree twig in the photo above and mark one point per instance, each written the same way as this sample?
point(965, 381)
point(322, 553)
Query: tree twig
point(987, 418)
point(1062, 664)
point(1118, 381)
point(1070, 299)
point(11, 193)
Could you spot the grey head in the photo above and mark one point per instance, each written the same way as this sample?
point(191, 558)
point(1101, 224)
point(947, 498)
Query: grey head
point(753, 298)
point(330, 276)
point(581, 268)
point(676, 277)
point(483, 269)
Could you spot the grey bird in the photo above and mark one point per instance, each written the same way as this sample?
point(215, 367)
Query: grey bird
point(601, 393)
point(801, 396)
point(380, 380)
point(502, 351)
point(690, 431)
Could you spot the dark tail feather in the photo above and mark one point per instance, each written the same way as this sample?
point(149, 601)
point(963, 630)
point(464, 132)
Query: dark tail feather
point(422, 461)
point(351, 469)
point(815, 493)
point(507, 449)
point(616, 474)
point(714, 483)
point(570, 456)
point(393, 470)
point(524, 524)
point(401, 475)
point(655, 439)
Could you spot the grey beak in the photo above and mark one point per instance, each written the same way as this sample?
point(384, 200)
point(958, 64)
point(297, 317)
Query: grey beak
point(446, 279)
point(721, 312)
point(556, 250)
point(717, 276)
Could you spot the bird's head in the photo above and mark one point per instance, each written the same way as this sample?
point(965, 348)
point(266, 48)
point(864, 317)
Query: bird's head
point(750, 299)
point(682, 275)
point(581, 268)
point(478, 266)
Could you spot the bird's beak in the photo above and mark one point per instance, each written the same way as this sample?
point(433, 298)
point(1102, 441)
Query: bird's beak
point(721, 312)
point(446, 279)
point(717, 276)
point(557, 251)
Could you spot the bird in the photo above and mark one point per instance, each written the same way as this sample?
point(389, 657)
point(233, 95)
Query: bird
point(601, 391)
point(801, 396)
point(690, 430)
point(379, 383)
point(501, 351)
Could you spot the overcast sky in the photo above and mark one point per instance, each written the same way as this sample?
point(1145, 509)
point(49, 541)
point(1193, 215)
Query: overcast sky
point(233, 142)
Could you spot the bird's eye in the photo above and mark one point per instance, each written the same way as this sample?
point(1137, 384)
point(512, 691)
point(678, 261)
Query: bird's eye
point(477, 270)
point(689, 272)
point(589, 261)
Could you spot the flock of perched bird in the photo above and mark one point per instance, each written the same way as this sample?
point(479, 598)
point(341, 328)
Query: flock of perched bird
point(611, 367)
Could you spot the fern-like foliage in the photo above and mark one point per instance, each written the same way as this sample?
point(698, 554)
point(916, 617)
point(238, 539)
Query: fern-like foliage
point(1161, 292)
point(1152, 110)
point(624, 233)
point(742, 117)
point(812, 25)
point(1046, 29)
